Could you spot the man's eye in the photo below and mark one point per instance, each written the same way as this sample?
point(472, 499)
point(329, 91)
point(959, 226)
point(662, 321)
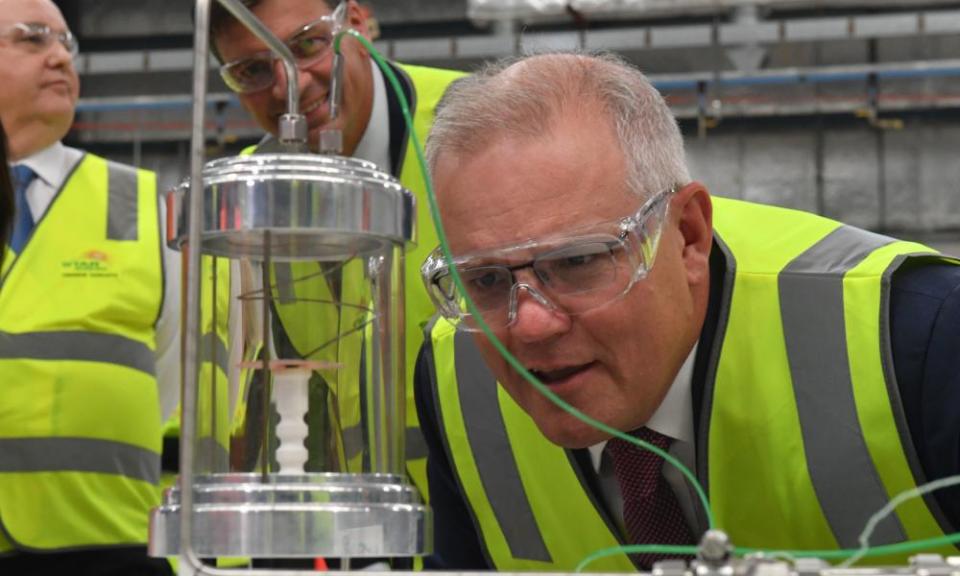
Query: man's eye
point(32, 37)
point(486, 281)
point(252, 69)
point(483, 280)
point(308, 46)
point(578, 260)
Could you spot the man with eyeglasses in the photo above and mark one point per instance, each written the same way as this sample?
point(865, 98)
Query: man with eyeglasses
point(88, 326)
point(804, 370)
point(373, 129)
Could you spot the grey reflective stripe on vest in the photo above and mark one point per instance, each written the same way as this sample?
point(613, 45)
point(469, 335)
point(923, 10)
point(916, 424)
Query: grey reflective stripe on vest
point(213, 349)
point(211, 456)
point(844, 477)
point(122, 195)
point(83, 346)
point(352, 441)
point(283, 273)
point(79, 455)
point(415, 444)
point(487, 435)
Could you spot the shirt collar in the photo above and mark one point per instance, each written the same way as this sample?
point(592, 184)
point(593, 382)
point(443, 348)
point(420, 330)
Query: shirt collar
point(674, 416)
point(374, 145)
point(47, 164)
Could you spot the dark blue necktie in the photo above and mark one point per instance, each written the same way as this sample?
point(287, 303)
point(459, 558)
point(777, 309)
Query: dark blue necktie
point(23, 220)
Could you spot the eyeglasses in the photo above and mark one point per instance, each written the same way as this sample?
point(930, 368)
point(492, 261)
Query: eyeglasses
point(309, 45)
point(34, 37)
point(575, 273)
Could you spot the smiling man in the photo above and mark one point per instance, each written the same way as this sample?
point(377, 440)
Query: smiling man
point(804, 370)
point(373, 129)
point(307, 27)
point(88, 326)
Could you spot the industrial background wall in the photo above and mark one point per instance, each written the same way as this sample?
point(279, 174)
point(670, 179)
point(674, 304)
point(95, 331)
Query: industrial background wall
point(849, 108)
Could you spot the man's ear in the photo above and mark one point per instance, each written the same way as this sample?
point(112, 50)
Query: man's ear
point(357, 19)
point(694, 213)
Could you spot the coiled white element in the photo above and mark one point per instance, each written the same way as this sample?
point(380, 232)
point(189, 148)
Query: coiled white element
point(290, 397)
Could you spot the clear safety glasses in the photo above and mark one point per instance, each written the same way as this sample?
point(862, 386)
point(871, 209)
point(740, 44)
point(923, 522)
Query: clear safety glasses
point(574, 273)
point(34, 37)
point(310, 44)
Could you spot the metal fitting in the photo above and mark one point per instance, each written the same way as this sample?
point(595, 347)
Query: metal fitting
point(931, 565)
point(715, 547)
point(674, 567)
point(331, 142)
point(714, 555)
point(292, 129)
point(336, 86)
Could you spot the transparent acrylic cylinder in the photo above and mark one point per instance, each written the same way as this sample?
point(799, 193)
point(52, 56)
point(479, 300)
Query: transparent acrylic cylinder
point(300, 422)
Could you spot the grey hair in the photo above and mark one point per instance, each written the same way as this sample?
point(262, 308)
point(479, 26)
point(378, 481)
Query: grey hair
point(523, 97)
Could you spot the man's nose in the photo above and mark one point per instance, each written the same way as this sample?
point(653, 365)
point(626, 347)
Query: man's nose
point(58, 55)
point(535, 318)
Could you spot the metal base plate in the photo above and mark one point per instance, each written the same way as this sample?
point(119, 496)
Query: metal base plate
point(290, 516)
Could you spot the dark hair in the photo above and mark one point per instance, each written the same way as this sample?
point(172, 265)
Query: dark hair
point(220, 18)
point(6, 196)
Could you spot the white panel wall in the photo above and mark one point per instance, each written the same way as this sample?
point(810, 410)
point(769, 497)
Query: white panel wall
point(851, 179)
point(898, 180)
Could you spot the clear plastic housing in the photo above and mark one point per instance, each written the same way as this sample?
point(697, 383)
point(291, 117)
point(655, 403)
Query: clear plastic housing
point(300, 422)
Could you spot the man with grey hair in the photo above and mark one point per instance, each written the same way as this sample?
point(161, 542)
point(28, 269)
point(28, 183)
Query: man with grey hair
point(805, 371)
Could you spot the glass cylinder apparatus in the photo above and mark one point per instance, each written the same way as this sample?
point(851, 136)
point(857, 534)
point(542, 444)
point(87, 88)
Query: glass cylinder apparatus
point(299, 420)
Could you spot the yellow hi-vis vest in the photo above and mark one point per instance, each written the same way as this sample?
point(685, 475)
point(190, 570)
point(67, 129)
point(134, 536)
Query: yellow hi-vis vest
point(213, 400)
point(215, 421)
point(79, 414)
point(802, 437)
point(305, 282)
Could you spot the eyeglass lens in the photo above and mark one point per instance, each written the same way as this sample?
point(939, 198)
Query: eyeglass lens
point(308, 46)
point(579, 276)
point(39, 37)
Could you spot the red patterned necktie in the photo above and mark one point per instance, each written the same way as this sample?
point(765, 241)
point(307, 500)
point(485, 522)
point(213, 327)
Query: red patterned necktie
point(651, 512)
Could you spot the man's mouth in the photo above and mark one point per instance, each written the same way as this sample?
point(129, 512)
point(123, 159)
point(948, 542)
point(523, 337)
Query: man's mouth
point(315, 105)
point(58, 84)
point(558, 375)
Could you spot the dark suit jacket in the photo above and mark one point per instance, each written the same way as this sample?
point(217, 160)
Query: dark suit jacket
point(925, 334)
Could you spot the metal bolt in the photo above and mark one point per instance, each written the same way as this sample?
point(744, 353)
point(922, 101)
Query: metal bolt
point(715, 547)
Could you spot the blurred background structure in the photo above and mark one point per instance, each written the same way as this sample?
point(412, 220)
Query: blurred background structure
point(850, 108)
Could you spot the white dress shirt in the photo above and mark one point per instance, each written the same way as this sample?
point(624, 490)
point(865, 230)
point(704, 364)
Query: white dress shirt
point(673, 418)
point(53, 166)
point(374, 145)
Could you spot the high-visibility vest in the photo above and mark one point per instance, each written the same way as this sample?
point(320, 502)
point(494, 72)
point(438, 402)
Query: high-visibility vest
point(800, 440)
point(215, 420)
point(305, 282)
point(79, 413)
point(324, 314)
